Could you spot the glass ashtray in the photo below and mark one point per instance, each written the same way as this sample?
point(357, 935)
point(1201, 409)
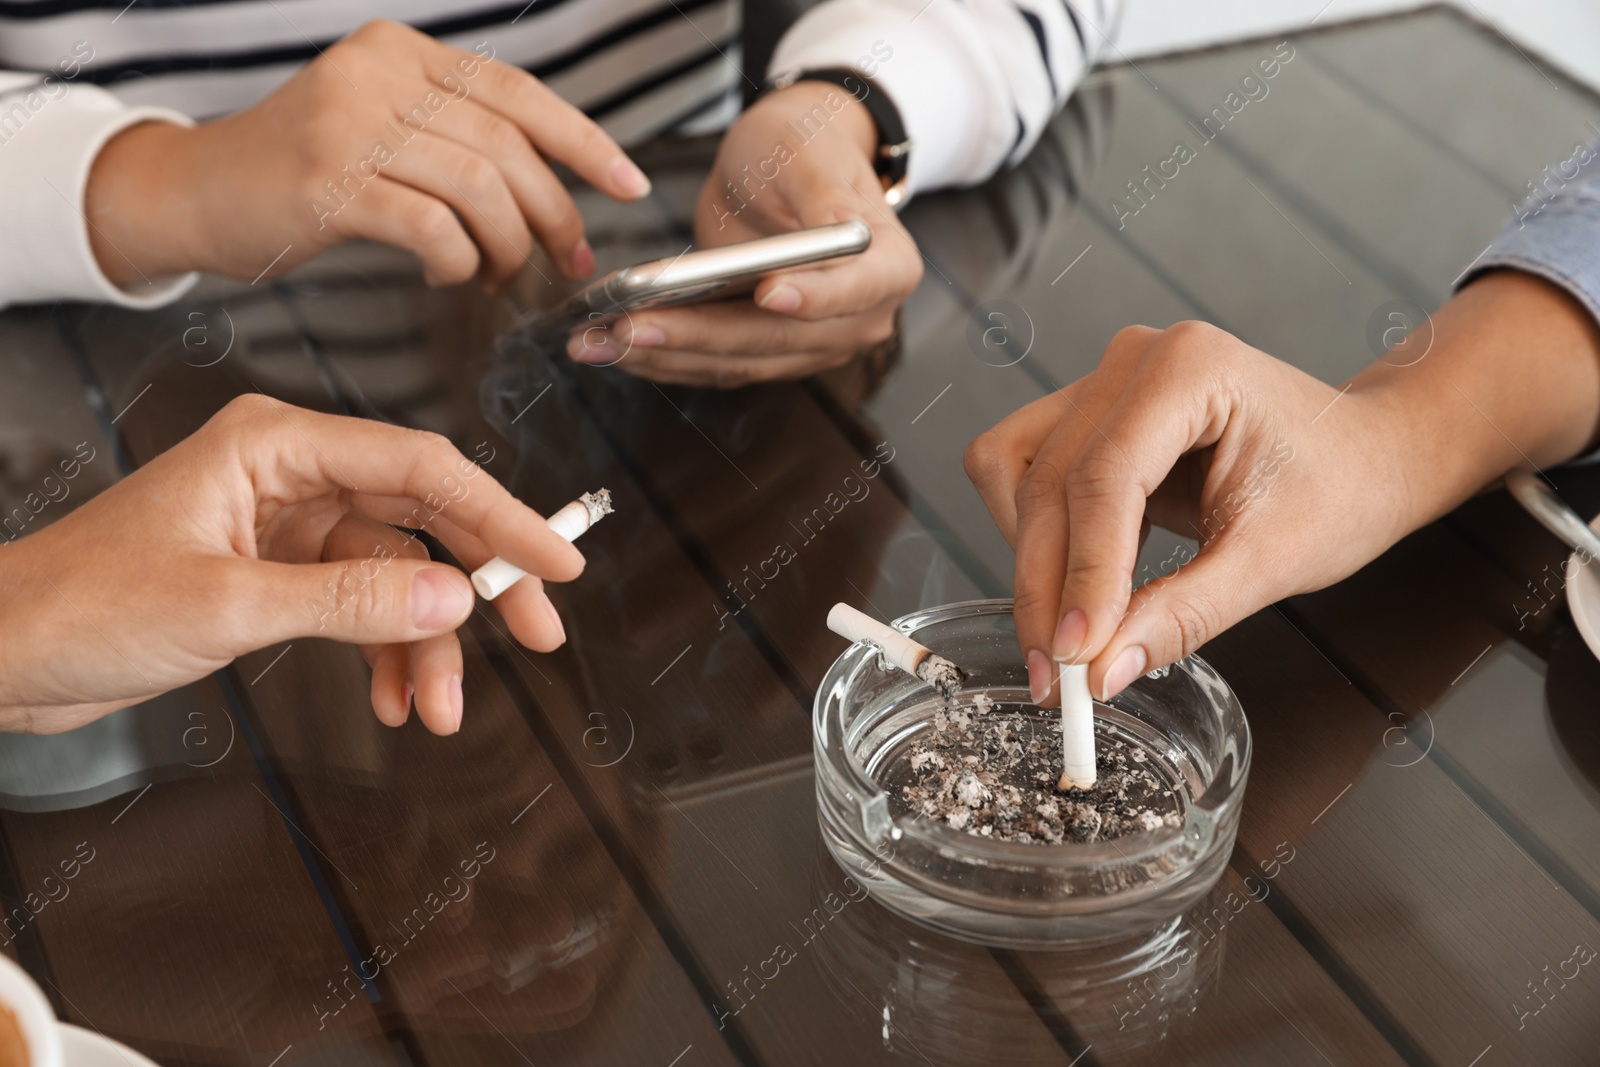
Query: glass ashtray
point(872, 723)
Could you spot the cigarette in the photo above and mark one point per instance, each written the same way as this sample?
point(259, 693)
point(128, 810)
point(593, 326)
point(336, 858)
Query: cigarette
point(913, 658)
point(1077, 729)
point(496, 576)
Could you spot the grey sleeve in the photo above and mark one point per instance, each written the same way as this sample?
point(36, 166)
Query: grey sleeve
point(1556, 234)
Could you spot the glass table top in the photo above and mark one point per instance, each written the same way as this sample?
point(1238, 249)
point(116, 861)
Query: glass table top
point(617, 858)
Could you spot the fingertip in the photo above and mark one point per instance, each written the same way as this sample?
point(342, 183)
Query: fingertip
point(629, 181)
point(1041, 675)
point(391, 693)
point(441, 598)
point(1071, 634)
point(555, 619)
point(595, 345)
point(645, 334)
point(782, 298)
point(437, 700)
point(576, 562)
point(1126, 665)
point(580, 264)
point(559, 559)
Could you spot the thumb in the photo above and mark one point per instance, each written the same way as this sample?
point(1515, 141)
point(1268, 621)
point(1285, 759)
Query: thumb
point(1173, 615)
point(383, 599)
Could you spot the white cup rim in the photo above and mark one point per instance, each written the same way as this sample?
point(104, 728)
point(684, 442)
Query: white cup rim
point(27, 1002)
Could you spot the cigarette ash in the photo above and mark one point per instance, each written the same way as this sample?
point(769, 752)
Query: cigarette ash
point(992, 773)
point(943, 675)
point(598, 503)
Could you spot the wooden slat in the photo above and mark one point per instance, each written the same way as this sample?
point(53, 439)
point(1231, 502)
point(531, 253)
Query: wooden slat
point(1358, 181)
point(1227, 249)
point(1247, 993)
point(190, 928)
point(1453, 82)
point(1488, 724)
point(396, 812)
point(1394, 860)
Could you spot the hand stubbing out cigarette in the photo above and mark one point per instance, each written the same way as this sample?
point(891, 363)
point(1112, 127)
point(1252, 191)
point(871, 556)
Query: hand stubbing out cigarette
point(496, 576)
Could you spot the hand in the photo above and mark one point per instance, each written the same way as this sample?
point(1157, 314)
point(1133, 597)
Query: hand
point(1191, 429)
point(768, 180)
point(1288, 484)
point(388, 135)
point(269, 524)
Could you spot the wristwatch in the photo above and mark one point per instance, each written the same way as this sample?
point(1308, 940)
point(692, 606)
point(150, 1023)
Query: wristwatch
point(892, 159)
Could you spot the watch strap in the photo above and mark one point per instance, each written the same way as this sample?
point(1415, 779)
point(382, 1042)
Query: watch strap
point(892, 159)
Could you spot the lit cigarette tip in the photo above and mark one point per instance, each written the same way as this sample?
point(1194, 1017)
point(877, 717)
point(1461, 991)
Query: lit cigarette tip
point(571, 522)
point(1077, 729)
point(943, 675)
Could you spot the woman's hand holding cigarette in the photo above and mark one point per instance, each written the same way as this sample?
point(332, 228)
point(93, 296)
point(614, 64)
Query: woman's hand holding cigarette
point(1289, 484)
point(270, 524)
point(389, 135)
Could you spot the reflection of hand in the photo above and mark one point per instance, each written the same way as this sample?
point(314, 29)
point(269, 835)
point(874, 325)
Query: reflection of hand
point(388, 135)
point(268, 525)
point(1289, 484)
point(768, 180)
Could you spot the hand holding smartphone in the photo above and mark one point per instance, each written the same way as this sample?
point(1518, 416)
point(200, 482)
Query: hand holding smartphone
point(694, 277)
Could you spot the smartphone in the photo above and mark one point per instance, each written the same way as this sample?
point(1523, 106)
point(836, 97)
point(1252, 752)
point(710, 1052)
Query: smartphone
point(693, 277)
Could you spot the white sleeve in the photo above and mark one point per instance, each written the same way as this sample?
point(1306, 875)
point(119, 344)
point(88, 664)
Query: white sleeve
point(975, 81)
point(50, 133)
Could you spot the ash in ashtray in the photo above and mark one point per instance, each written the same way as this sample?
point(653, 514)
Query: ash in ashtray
point(991, 770)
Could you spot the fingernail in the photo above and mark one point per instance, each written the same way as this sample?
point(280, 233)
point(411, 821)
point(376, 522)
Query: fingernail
point(646, 336)
point(583, 259)
point(405, 701)
point(1127, 666)
point(457, 702)
point(439, 598)
point(784, 298)
point(1039, 674)
point(1071, 634)
point(629, 178)
point(593, 345)
point(555, 617)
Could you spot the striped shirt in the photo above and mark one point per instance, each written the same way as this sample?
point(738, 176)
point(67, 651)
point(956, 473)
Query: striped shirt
point(975, 81)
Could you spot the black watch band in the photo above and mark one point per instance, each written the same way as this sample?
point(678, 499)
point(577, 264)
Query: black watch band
point(893, 157)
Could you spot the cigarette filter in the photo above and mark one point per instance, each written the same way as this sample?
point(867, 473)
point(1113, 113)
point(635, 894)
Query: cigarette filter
point(898, 649)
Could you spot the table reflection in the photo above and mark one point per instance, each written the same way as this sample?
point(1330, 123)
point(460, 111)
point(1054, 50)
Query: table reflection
point(1120, 998)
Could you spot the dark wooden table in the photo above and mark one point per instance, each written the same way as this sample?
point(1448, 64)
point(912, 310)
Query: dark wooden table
point(637, 809)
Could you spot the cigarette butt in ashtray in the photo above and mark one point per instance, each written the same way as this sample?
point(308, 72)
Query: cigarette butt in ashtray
point(496, 576)
point(1077, 729)
point(913, 658)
